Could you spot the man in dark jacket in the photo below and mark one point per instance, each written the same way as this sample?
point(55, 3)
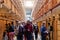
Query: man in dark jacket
point(36, 31)
point(20, 32)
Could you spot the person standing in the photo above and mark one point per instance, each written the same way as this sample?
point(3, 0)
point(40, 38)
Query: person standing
point(20, 32)
point(36, 31)
point(17, 31)
point(23, 26)
point(43, 31)
point(28, 30)
point(11, 31)
point(50, 31)
point(5, 36)
point(7, 30)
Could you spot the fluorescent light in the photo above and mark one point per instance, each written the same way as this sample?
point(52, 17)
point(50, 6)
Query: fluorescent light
point(28, 4)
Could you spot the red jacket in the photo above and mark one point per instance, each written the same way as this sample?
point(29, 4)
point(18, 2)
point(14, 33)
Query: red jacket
point(28, 27)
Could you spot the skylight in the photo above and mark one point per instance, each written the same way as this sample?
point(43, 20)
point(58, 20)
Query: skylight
point(28, 4)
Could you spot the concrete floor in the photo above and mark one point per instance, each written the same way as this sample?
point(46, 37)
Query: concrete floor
point(39, 37)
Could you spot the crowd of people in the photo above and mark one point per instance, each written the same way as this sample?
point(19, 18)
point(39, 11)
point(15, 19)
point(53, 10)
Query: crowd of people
point(21, 31)
point(24, 31)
